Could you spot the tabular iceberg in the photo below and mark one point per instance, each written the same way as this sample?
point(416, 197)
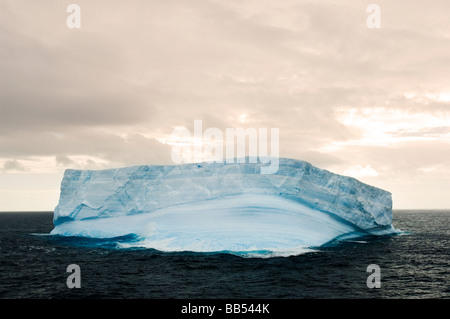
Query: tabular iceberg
point(209, 207)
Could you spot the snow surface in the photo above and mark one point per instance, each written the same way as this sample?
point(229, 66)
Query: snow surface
point(210, 207)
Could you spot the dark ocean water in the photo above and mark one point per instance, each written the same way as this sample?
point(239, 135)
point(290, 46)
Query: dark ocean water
point(416, 265)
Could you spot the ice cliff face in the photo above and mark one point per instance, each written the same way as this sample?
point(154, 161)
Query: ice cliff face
point(179, 203)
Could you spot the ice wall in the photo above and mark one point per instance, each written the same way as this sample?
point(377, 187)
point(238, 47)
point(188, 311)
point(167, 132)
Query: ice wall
point(144, 189)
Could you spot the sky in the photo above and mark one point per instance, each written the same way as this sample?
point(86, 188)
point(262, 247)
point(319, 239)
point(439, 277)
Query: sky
point(371, 103)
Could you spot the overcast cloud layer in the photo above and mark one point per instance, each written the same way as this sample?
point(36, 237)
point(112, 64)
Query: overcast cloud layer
point(370, 103)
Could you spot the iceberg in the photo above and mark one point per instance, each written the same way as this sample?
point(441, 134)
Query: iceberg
point(221, 207)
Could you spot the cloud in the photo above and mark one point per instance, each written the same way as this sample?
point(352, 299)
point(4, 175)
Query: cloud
point(77, 84)
point(13, 165)
point(102, 95)
point(64, 160)
point(112, 148)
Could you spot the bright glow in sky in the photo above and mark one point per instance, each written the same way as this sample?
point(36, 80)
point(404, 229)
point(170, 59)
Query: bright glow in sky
point(389, 127)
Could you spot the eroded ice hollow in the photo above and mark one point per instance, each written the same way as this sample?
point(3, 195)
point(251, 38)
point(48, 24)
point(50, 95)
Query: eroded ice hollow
point(211, 207)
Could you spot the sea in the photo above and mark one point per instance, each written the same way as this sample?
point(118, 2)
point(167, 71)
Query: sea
point(413, 265)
